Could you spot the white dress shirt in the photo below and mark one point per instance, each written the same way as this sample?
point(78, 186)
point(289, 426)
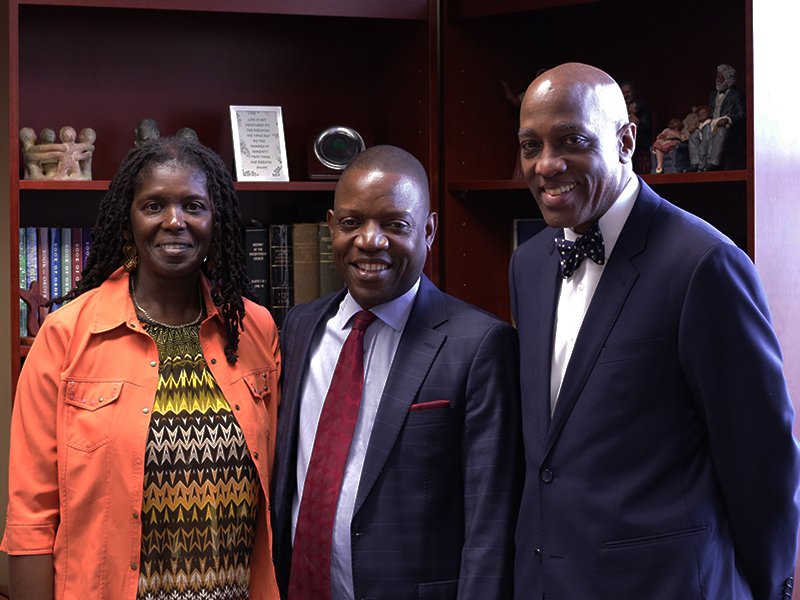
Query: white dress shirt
point(380, 344)
point(576, 292)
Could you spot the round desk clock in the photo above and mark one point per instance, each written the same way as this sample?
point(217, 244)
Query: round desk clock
point(336, 146)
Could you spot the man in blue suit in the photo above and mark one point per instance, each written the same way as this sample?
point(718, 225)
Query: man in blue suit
point(660, 461)
point(429, 498)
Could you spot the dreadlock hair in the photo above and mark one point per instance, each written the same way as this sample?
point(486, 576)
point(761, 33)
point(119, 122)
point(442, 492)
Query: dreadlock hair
point(227, 270)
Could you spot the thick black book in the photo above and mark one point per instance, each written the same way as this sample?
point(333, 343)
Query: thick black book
point(281, 272)
point(256, 253)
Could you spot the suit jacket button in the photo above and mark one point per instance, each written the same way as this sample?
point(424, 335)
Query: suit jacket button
point(539, 554)
point(546, 476)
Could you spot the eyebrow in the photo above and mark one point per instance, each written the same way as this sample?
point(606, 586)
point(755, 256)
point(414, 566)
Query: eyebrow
point(558, 128)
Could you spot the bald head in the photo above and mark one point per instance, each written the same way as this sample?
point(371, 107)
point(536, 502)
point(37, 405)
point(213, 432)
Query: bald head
point(576, 144)
point(585, 82)
point(391, 159)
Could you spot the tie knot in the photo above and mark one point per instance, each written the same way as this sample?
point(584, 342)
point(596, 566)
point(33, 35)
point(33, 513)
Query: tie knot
point(363, 319)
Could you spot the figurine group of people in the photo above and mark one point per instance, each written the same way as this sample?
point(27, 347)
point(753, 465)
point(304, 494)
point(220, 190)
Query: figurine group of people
point(630, 438)
point(713, 132)
point(69, 159)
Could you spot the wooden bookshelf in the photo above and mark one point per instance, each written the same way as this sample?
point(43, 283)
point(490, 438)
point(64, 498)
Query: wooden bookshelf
point(108, 64)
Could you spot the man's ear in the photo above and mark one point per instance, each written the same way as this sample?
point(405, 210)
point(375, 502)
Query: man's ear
point(627, 142)
point(431, 225)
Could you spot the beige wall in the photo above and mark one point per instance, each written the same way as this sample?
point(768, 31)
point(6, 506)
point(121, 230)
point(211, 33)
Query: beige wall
point(5, 278)
point(777, 143)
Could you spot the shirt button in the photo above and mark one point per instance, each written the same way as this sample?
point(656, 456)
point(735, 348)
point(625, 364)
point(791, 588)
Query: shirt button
point(135, 515)
point(145, 410)
point(581, 287)
point(237, 407)
point(547, 476)
point(133, 567)
point(213, 361)
point(153, 363)
point(255, 455)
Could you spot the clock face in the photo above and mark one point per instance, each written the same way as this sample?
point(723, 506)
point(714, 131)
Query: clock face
point(335, 147)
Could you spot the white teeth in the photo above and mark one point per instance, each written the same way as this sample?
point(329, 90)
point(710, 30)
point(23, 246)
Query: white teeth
point(372, 267)
point(560, 190)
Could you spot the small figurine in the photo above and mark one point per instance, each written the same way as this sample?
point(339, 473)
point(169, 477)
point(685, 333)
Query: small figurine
point(641, 115)
point(187, 132)
point(37, 309)
point(667, 140)
point(69, 160)
point(147, 131)
point(701, 136)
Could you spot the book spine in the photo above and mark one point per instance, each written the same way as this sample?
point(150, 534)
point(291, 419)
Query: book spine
point(329, 278)
point(305, 257)
point(66, 260)
point(23, 282)
point(87, 244)
point(256, 259)
point(43, 260)
point(76, 254)
point(55, 263)
point(281, 277)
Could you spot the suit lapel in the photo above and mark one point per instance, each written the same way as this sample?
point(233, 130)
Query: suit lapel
point(294, 375)
point(548, 289)
point(418, 347)
point(617, 280)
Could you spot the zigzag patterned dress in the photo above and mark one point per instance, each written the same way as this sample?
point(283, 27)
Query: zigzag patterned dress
point(201, 488)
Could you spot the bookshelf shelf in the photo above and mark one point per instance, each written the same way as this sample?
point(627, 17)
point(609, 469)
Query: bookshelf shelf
point(55, 186)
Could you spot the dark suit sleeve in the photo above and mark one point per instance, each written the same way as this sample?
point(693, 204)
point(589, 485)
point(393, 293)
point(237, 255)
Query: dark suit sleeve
point(492, 457)
point(737, 109)
point(733, 364)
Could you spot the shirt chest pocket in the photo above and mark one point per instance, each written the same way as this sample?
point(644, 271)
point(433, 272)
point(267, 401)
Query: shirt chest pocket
point(258, 383)
point(91, 413)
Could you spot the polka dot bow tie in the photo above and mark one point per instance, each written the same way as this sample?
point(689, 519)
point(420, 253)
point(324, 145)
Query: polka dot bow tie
point(589, 245)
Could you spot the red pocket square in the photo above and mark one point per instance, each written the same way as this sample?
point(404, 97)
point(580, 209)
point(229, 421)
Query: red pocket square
point(430, 405)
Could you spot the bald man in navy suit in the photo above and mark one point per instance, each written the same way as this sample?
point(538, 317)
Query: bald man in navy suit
point(657, 426)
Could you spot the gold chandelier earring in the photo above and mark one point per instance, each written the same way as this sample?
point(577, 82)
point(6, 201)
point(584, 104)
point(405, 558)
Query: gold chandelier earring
point(130, 251)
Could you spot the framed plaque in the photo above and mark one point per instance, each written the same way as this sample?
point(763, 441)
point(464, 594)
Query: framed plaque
point(259, 145)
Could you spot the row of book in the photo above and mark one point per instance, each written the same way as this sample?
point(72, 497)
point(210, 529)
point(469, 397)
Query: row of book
point(52, 256)
point(290, 264)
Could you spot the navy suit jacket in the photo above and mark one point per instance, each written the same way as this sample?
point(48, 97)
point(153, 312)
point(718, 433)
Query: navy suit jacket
point(668, 470)
point(439, 492)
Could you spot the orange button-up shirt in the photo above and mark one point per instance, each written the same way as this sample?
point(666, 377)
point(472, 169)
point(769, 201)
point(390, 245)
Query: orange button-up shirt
point(79, 430)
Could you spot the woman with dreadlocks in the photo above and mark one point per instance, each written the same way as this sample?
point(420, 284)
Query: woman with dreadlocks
point(142, 435)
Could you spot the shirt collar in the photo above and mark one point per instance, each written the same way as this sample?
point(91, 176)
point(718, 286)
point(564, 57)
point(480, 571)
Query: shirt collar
point(115, 307)
point(394, 313)
point(612, 222)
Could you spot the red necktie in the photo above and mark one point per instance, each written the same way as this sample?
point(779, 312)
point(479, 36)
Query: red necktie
point(310, 577)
